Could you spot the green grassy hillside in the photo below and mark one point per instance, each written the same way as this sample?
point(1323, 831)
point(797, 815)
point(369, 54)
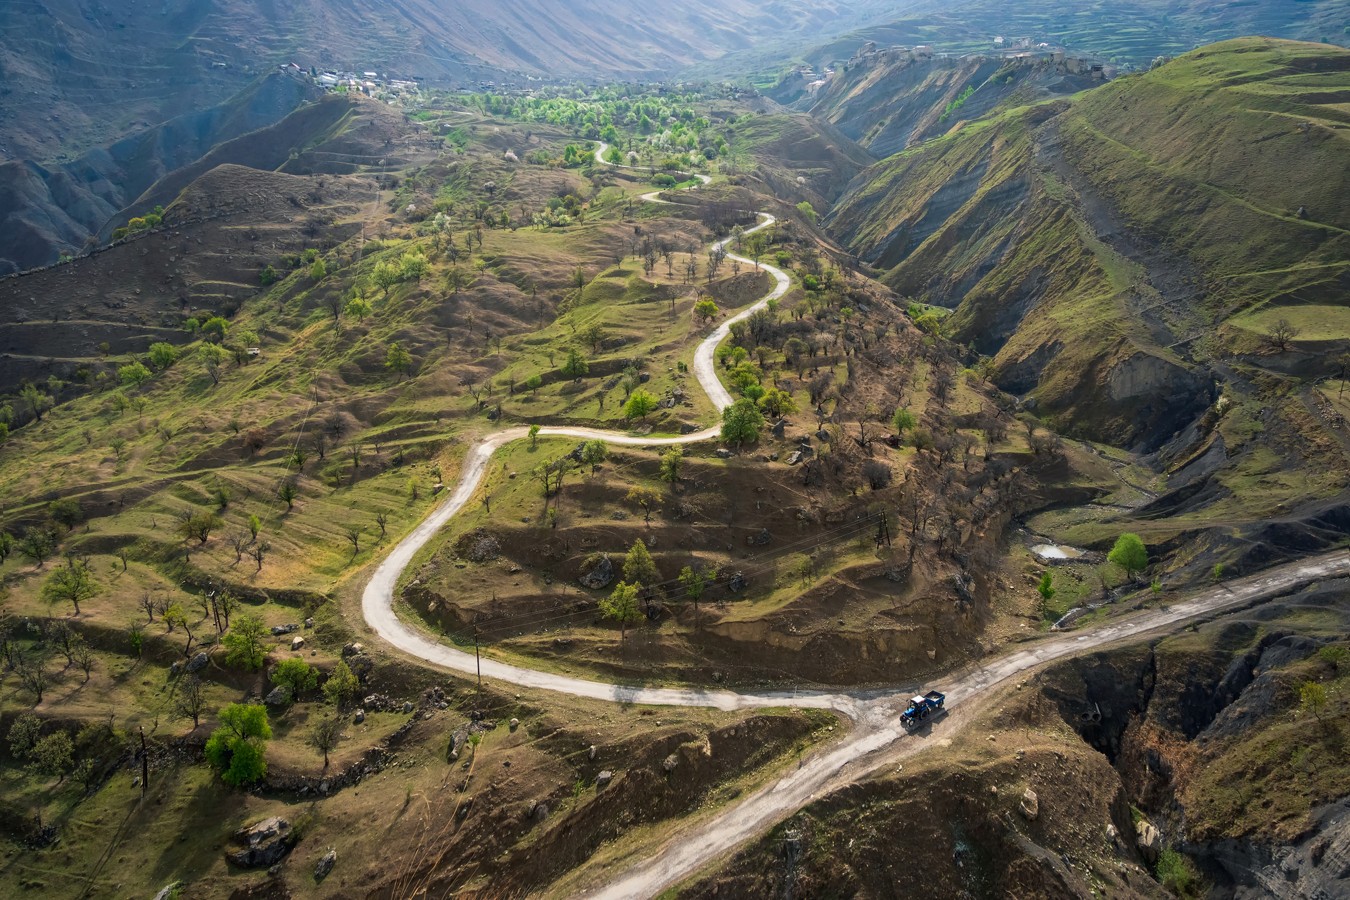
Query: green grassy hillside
point(1093, 246)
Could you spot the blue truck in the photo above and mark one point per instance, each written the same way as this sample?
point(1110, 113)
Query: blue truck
point(922, 707)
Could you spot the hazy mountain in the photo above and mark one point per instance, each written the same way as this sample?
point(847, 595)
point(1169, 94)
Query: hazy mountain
point(74, 74)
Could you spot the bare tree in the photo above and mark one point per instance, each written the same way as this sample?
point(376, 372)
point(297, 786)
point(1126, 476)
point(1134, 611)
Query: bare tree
point(1282, 334)
point(190, 700)
point(326, 735)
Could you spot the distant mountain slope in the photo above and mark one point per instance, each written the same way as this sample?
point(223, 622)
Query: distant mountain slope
point(1129, 32)
point(1095, 247)
point(54, 208)
point(890, 99)
point(73, 75)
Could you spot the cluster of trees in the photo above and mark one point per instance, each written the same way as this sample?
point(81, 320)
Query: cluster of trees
point(152, 219)
point(642, 589)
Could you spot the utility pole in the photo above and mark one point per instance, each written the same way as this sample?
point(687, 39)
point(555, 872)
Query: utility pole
point(145, 764)
point(478, 660)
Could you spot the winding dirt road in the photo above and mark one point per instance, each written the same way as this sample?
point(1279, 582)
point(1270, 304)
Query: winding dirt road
point(877, 738)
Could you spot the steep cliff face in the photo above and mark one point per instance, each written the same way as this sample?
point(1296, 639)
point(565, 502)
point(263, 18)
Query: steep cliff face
point(1093, 246)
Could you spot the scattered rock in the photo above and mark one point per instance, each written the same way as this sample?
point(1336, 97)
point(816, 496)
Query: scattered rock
point(644, 377)
point(1030, 805)
point(359, 717)
point(514, 724)
point(353, 650)
point(176, 669)
point(297, 643)
point(265, 844)
point(325, 864)
point(760, 539)
point(600, 572)
point(540, 812)
point(670, 763)
point(479, 546)
point(407, 706)
point(457, 742)
point(795, 458)
point(309, 623)
point(168, 890)
point(603, 779)
point(279, 630)
point(197, 663)
point(738, 583)
point(592, 753)
point(780, 429)
point(722, 453)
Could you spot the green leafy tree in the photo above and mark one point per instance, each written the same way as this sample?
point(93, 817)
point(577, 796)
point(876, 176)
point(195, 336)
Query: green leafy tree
point(534, 436)
point(268, 276)
point(358, 308)
point(38, 543)
point(575, 366)
point(213, 358)
point(777, 402)
point(198, 526)
point(254, 526)
point(706, 310)
point(1046, 588)
point(215, 328)
point(1312, 698)
point(133, 374)
point(341, 685)
point(808, 212)
point(622, 606)
point(237, 749)
point(162, 355)
point(24, 735)
point(66, 512)
point(37, 401)
point(903, 420)
point(53, 756)
point(295, 675)
point(671, 463)
point(1129, 554)
point(534, 382)
point(695, 582)
point(412, 266)
point(73, 584)
point(594, 452)
point(741, 422)
point(1334, 655)
point(640, 404)
point(398, 359)
point(245, 642)
point(385, 275)
point(638, 566)
point(318, 271)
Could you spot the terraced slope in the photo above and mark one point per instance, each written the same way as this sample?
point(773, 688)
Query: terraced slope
point(1128, 32)
point(1093, 246)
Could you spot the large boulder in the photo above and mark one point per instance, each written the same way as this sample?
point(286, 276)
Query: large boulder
point(264, 843)
point(325, 864)
point(597, 572)
point(1030, 805)
point(278, 696)
point(197, 663)
point(1148, 839)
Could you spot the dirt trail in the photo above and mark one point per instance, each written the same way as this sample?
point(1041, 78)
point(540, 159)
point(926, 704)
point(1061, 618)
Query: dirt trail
point(877, 738)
